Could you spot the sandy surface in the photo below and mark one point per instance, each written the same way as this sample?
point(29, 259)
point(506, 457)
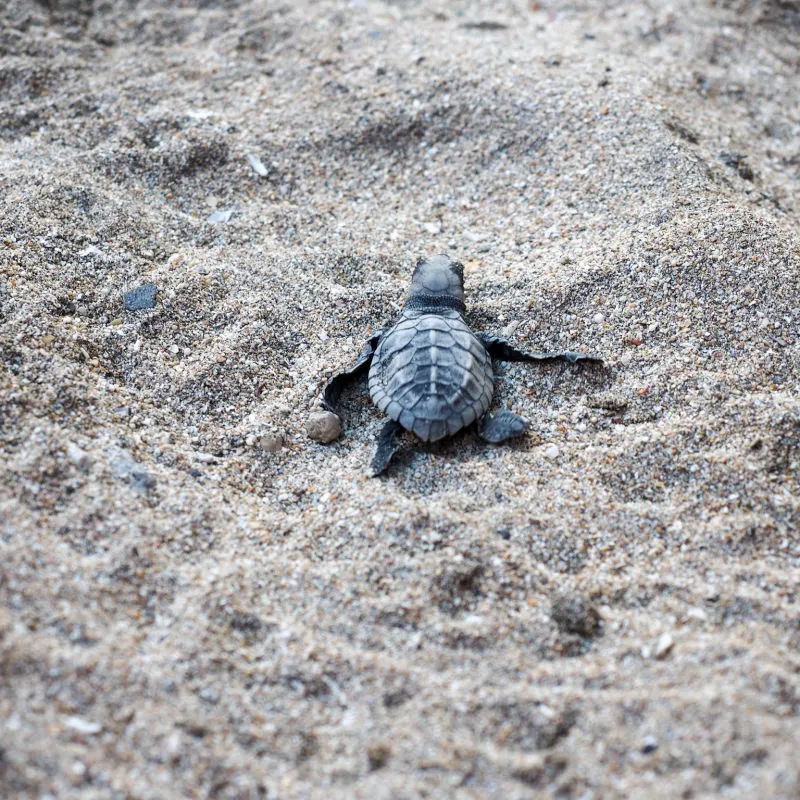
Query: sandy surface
point(198, 601)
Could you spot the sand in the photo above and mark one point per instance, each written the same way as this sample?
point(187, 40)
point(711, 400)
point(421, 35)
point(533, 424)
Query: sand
point(196, 600)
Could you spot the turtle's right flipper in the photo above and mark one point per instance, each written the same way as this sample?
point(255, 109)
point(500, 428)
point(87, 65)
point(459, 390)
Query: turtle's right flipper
point(387, 447)
point(338, 383)
point(496, 428)
point(503, 350)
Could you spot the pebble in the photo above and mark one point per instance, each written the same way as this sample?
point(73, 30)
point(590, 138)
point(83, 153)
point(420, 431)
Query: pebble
point(78, 456)
point(221, 216)
point(551, 451)
point(663, 646)
point(510, 329)
point(696, 614)
point(323, 427)
point(598, 319)
point(143, 480)
point(258, 165)
point(173, 745)
point(140, 298)
point(209, 695)
point(649, 745)
point(575, 614)
point(83, 726)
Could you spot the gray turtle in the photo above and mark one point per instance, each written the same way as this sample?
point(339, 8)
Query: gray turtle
point(430, 373)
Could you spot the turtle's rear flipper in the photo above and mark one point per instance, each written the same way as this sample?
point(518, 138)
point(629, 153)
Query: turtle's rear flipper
point(387, 447)
point(338, 383)
point(502, 350)
point(496, 428)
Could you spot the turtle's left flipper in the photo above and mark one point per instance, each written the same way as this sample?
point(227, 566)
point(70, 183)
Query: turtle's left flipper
point(387, 447)
point(502, 350)
point(496, 428)
point(338, 383)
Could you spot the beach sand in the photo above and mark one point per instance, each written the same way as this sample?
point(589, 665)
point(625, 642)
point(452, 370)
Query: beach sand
point(196, 600)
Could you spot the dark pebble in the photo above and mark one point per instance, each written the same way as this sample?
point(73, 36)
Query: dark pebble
point(650, 745)
point(487, 25)
point(246, 622)
point(574, 614)
point(143, 481)
point(141, 297)
point(378, 756)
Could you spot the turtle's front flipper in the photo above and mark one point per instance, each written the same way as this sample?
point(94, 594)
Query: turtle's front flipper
point(387, 447)
point(502, 350)
point(498, 427)
point(338, 383)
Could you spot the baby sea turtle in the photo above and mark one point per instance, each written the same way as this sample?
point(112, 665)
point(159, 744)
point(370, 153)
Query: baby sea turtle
point(430, 373)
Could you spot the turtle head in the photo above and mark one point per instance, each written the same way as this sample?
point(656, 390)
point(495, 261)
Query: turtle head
point(437, 282)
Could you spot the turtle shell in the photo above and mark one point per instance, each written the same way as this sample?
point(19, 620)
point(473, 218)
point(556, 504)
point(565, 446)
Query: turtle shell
point(431, 374)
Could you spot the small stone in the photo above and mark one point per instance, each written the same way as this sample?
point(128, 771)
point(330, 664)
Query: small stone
point(663, 646)
point(258, 165)
point(79, 457)
point(598, 319)
point(574, 614)
point(140, 298)
point(712, 594)
point(323, 427)
point(551, 451)
point(221, 216)
point(649, 745)
point(378, 756)
point(173, 745)
point(696, 614)
point(209, 695)
point(510, 329)
point(205, 458)
point(143, 481)
point(83, 726)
